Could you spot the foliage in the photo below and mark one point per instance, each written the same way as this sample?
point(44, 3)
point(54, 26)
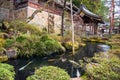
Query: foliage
point(115, 52)
point(114, 41)
point(103, 68)
point(25, 45)
point(84, 77)
point(6, 72)
point(9, 43)
point(51, 44)
point(94, 39)
point(3, 58)
point(67, 41)
point(96, 6)
point(22, 27)
point(49, 73)
point(117, 36)
point(56, 37)
point(29, 45)
point(33, 77)
point(68, 45)
point(2, 41)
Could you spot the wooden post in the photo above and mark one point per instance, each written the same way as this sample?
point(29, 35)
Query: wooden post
point(96, 28)
point(112, 17)
point(62, 24)
point(91, 27)
point(72, 28)
point(72, 25)
point(85, 29)
point(48, 19)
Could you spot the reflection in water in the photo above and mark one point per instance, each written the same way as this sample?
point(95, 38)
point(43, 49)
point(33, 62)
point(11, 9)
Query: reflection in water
point(78, 73)
point(26, 67)
point(103, 47)
point(22, 68)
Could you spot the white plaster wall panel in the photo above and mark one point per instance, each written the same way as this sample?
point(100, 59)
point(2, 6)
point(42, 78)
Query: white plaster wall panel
point(41, 19)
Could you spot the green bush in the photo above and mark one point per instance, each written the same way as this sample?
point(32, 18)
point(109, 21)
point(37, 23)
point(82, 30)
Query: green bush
point(40, 48)
point(6, 72)
point(3, 58)
point(49, 73)
point(24, 28)
point(103, 68)
point(68, 45)
point(115, 52)
point(33, 77)
point(51, 44)
point(115, 41)
point(2, 41)
point(26, 45)
point(117, 36)
point(29, 40)
point(9, 43)
point(29, 45)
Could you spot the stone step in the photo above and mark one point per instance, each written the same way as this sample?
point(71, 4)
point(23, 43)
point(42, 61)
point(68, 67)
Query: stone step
point(76, 79)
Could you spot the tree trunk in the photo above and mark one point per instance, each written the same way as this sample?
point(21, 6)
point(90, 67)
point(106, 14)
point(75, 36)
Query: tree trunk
point(62, 24)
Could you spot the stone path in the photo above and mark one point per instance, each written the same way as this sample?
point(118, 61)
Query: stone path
point(76, 79)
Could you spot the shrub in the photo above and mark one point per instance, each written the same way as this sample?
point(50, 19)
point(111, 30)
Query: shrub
point(115, 41)
point(29, 45)
point(115, 44)
point(49, 73)
point(2, 41)
point(67, 41)
point(3, 58)
point(115, 52)
point(26, 45)
point(51, 44)
point(23, 27)
point(6, 72)
point(9, 43)
point(104, 68)
point(33, 77)
point(40, 48)
point(68, 45)
point(56, 37)
point(117, 36)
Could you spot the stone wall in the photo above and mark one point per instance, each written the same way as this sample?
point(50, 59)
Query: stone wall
point(40, 19)
point(4, 14)
point(21, 14)
point(5, 4)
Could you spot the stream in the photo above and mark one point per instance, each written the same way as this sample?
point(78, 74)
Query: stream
point(26, 67)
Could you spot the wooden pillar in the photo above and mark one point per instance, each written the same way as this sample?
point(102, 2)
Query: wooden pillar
point(84, 30)
point(85, 27)
point(93, 28)
point(96, 28)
